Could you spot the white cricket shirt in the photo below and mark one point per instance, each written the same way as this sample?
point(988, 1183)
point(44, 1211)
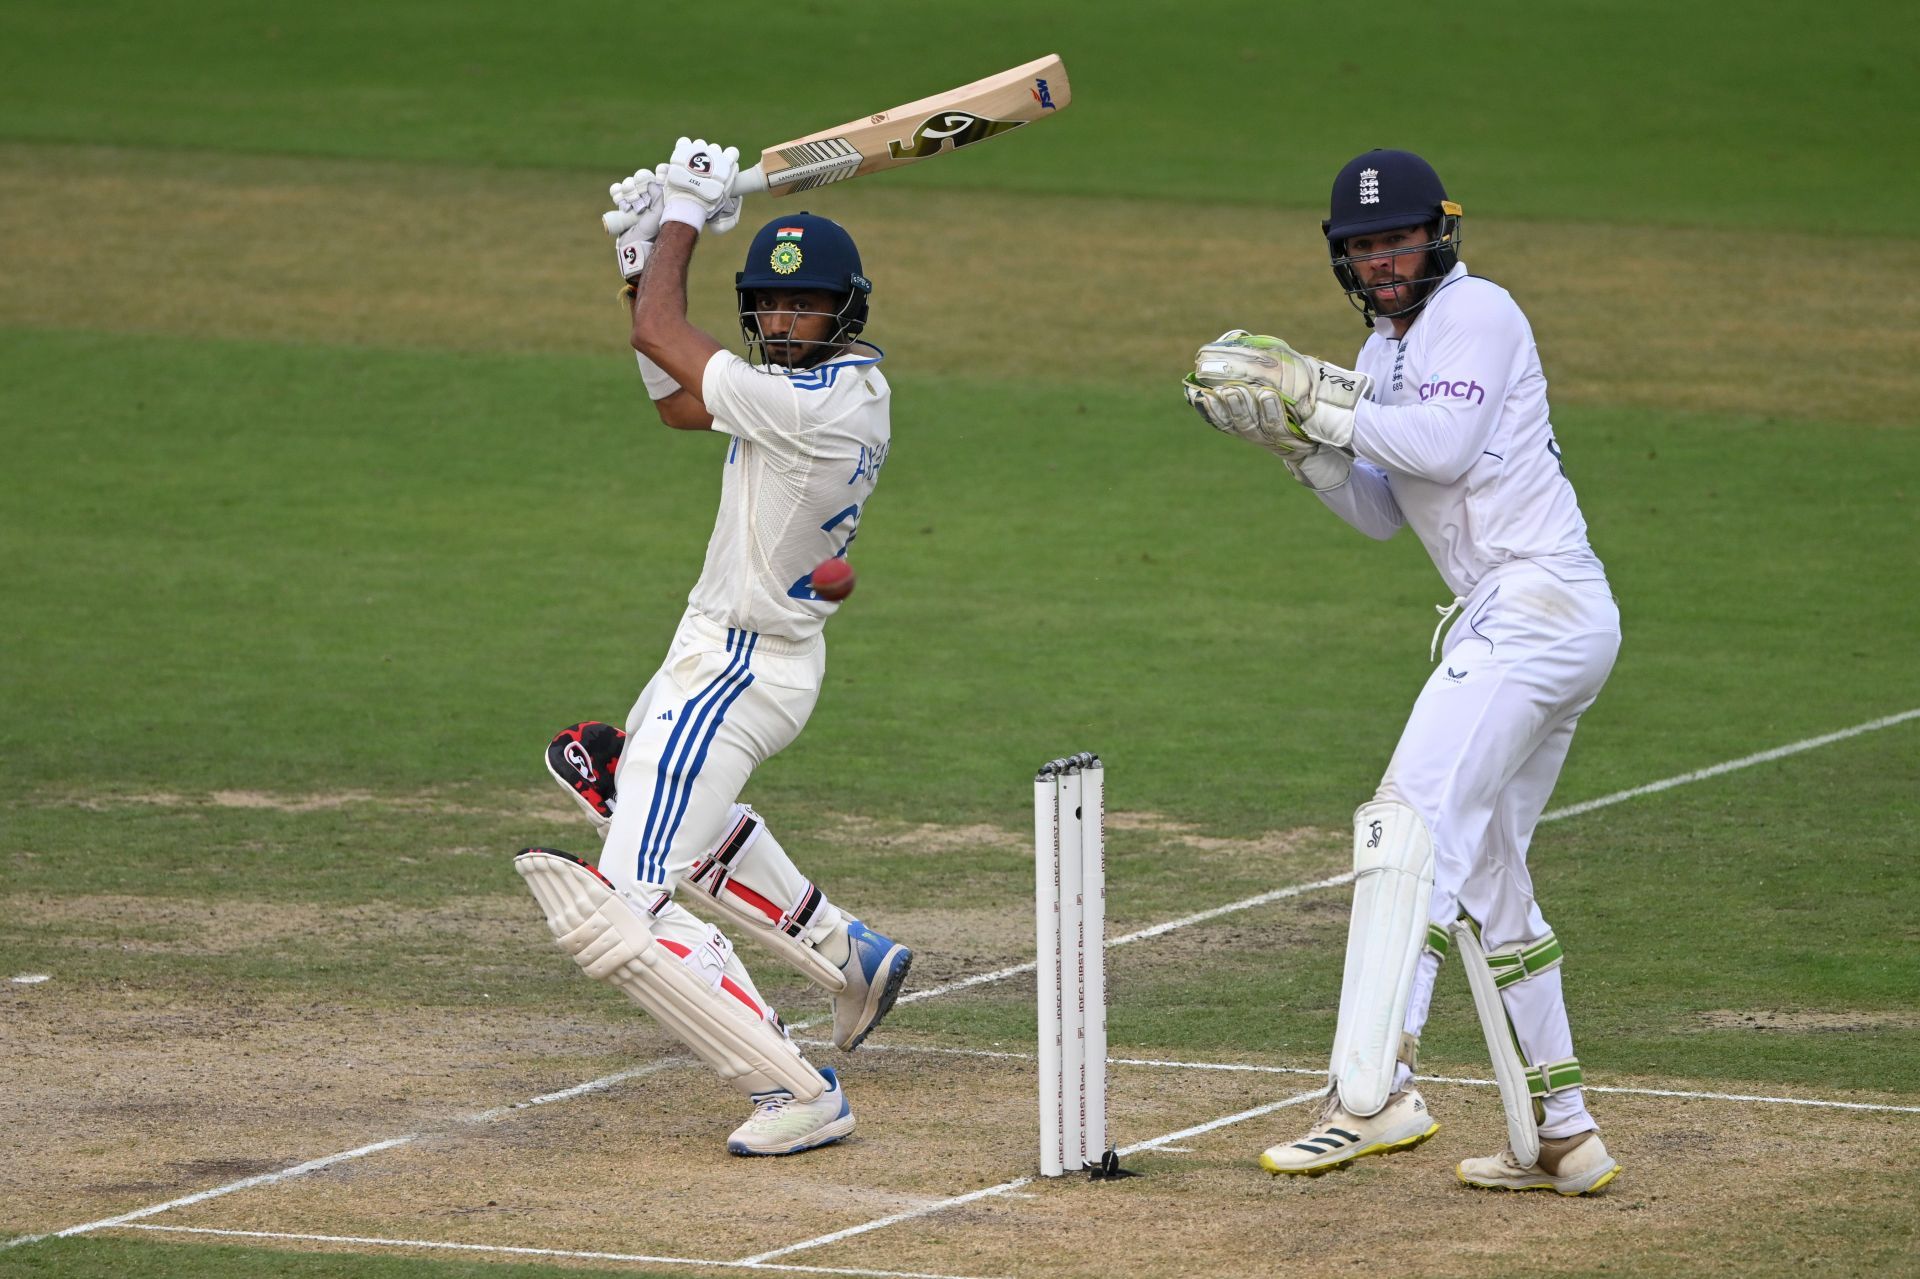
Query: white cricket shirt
point(807, 449)
point(1454, 440)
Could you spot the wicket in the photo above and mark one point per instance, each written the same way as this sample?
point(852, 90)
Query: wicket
point(1070, 882)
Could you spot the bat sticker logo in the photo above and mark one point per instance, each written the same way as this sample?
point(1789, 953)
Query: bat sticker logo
point(961, 128)
point(1042, 94)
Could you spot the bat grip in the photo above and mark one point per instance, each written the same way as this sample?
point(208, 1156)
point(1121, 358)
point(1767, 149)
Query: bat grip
point(749, 181)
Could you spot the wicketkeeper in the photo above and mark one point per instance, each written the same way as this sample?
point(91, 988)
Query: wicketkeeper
point(807, 423)
point(1444, 426)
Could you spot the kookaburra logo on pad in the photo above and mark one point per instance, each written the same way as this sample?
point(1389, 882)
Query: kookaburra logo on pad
point(961, 128)
point(1369, 186)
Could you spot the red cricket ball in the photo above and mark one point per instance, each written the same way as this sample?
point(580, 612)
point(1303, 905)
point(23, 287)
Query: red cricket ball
point(832, 579)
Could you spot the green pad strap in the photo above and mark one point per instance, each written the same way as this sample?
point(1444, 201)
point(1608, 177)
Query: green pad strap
point(1512, 964)
point(1554, 1076)
point(1437, 941)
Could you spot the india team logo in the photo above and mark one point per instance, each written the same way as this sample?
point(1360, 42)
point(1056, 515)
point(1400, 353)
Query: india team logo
point(785, 258)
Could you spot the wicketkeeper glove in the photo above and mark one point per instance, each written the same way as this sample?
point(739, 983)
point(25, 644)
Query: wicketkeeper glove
point(1320, 399)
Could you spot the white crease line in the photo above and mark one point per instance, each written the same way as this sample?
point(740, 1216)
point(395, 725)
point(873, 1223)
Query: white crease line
point(568, 1253)
point(1758, 1098)
point(1778, 752)
point(265, 1178)
point(328, 1161)
point(895, 1219)
point(1334, 881)
point(1251, 1068)
point(1156, 930)
point(1005, 1186)
point(1001, 974)
point(1312, 1094)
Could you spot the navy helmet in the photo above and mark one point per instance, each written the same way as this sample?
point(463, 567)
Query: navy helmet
point(1388, 191)
point(804, 251)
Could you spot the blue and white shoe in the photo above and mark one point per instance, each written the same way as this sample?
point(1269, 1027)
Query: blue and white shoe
point(780, 1125)
point(876, 969)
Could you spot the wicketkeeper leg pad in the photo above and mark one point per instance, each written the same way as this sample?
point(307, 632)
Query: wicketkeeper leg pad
point(1523, 1087)
point(1392, 889)
point(748, 875)
point(685, 987)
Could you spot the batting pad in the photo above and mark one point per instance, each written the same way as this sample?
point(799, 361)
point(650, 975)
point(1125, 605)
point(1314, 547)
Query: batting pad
point(748, 876)
point(1509, 1071)
point(613, 943)
point(1392, 887)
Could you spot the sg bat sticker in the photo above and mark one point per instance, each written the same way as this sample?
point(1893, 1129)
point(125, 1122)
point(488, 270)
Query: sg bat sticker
point(918, 130)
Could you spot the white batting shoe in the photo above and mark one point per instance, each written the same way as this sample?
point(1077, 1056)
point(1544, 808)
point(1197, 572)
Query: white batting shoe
point(1576, 1165)
point(780, 1125)
point(1339, 1137)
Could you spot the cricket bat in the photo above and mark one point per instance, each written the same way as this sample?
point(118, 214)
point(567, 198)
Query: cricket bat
point(932, 126)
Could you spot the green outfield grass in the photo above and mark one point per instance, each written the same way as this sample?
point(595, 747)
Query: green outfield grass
point(332, 497)
point(1782, 117)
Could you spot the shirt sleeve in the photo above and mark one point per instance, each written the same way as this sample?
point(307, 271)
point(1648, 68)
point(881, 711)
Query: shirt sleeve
point(1473, 355)
point(1366, 501)
point(761, 408)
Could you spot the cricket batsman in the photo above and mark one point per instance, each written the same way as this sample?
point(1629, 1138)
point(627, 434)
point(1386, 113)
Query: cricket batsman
point(1443, 426)
point(807, 430)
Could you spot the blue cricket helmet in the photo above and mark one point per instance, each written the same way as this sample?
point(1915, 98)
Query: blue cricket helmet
point(1384, 190)
point(805, 251)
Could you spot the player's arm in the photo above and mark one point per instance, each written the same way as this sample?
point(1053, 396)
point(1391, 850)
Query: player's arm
point(1365, 501)
point(663, 334)
point(1471, 364)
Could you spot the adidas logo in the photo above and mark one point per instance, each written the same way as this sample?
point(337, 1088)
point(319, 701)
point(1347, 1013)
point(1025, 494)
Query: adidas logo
point(666, 715)
point(1332, 1139)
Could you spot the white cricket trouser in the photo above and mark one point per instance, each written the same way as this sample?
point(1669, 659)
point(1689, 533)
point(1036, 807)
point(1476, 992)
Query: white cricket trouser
point(722, 703)
point(1478, 760)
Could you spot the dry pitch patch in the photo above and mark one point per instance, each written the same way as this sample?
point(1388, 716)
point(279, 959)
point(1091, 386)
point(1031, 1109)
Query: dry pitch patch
point(1710, 1187)
point(975, 284)
point(122, 1099)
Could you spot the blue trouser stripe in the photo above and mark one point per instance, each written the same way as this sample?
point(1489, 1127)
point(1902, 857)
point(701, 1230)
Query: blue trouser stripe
point(686, 726)
point(699, 760)
point(674, 785)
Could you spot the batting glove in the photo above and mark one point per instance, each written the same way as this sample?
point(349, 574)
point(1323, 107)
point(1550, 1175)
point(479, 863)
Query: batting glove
point(634, 220)
point(697, 181)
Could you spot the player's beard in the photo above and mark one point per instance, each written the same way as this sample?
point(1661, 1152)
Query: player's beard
point(1402, 295)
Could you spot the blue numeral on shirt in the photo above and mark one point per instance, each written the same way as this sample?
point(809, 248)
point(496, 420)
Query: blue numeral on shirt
point(801, 590)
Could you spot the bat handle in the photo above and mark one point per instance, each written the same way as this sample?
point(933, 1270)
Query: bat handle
point(749, 181)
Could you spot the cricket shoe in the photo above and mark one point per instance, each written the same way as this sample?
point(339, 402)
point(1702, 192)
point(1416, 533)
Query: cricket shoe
point(583, 759)
point(1576, 1165)
point(780, 1125)
point(876, 968)
point(1339, 1137)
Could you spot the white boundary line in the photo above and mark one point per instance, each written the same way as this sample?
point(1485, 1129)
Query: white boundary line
point(568, 1253)
point(1156, 930)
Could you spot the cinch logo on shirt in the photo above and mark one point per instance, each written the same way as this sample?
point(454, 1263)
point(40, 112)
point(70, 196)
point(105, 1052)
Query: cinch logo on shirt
point(1453, 391)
